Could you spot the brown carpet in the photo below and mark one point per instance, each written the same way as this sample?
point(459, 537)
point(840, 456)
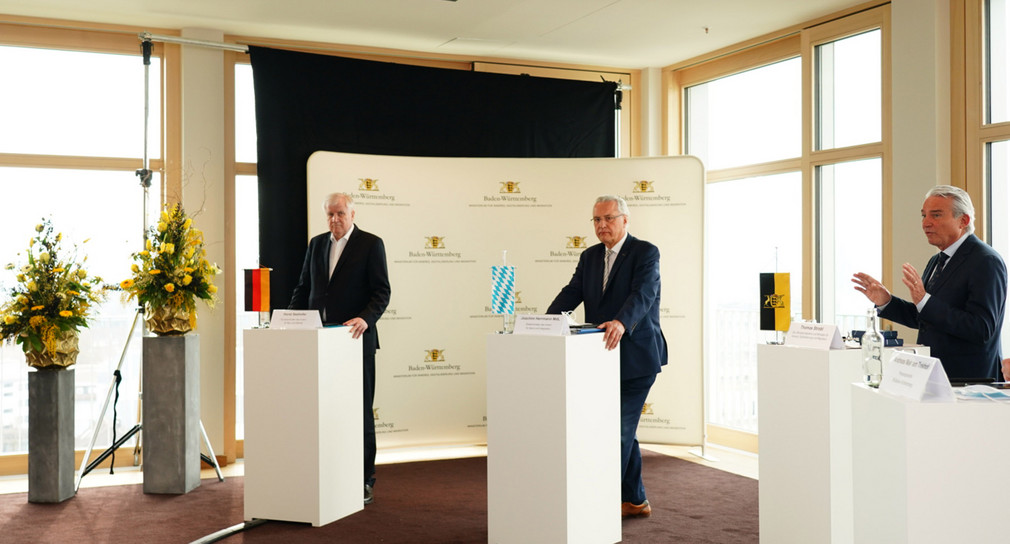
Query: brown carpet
point(437, 502)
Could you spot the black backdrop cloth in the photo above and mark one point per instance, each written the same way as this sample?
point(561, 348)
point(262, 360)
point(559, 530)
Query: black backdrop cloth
point(309, 102)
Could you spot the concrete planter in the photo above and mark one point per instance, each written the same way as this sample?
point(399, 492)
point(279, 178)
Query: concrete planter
point(50, 435)
point(171, 414)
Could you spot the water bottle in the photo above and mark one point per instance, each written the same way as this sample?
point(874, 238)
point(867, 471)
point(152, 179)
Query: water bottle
point(873, 350)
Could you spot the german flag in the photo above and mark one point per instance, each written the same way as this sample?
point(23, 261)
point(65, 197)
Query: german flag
point(775, 301)
point(257, 290)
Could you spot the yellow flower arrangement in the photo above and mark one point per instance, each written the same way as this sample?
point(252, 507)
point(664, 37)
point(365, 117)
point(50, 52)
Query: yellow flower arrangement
point(173, 270)
point(53, 294)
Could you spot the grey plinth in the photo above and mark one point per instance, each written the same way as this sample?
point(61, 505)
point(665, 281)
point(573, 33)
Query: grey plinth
point(50, 435)
point(171, 414)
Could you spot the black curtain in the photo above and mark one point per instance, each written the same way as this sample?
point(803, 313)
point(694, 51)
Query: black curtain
point(307, 102)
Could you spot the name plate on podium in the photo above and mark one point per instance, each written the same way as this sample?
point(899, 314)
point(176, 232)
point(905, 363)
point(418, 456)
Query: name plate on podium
point(916, 377)
point(295, 319)
point(814, 335)
point(542, 325)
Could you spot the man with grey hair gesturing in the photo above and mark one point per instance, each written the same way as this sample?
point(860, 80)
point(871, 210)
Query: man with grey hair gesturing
point(958, 302)
point(617, 282)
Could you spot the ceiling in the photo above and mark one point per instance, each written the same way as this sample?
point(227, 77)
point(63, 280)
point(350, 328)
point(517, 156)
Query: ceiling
point(616, 33)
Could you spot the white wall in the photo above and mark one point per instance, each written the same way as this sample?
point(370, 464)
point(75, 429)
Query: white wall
point(204, 197)
point(920, 82)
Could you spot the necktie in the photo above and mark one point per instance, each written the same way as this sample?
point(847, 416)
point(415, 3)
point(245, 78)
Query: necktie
point(606, 267)
point(941, 260)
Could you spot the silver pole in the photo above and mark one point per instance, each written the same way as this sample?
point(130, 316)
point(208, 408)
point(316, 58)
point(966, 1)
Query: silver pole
point(188, 41)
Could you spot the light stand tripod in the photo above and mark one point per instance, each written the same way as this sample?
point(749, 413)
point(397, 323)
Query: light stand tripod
point(145, 176)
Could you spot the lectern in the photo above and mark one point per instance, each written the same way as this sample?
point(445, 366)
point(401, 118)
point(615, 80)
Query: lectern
point(303, 427)
point(928, 472)
point(805, 419)
point(553, 438)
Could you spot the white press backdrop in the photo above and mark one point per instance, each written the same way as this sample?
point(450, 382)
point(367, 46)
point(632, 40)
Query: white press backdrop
point(446, 221)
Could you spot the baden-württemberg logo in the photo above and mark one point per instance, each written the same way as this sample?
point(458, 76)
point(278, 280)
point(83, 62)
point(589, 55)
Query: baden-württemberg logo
point(775, 301)
point(510, 187)
point(384, 427)
point(435, 250)
point(576, 242)
point(650, 420)
point(569, 253)
point(508, 195)
point(434, 242)
point(574, 245)
point(644, 193)
point(643, 187)
point(434, 364)
point(369, 193)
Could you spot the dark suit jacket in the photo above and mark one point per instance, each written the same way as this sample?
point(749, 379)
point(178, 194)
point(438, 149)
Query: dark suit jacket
point(962, 320)
point(632, 297)
point(359, 286)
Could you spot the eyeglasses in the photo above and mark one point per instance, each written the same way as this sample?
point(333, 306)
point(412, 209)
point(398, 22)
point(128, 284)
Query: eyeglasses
point(606, 219)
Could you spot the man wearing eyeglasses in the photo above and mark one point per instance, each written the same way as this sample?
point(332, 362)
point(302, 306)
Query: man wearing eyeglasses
point(617, 282)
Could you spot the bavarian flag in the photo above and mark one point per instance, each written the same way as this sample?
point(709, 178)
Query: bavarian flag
point(257, 290)
point(775, 301)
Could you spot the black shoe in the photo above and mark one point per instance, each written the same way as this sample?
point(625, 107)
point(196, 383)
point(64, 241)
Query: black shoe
point(369, 496)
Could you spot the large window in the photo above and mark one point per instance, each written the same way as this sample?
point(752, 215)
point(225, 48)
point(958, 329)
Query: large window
point(849, 183)
point(752, 225)
point(246, 223)
point(71, 140)
point(990, 134)
point(849, 204)
point(746, 118)
point(795, 183)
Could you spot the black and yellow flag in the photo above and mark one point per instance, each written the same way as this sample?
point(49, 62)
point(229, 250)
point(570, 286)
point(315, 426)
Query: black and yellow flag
point(775, 301)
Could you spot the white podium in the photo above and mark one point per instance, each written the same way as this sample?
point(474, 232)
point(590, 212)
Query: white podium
point(805, 458)
point(929, 472)
point(553, 436)
point(303, 426)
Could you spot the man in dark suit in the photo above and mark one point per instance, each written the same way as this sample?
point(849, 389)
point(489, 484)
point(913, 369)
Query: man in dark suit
point(626, 307)
point(344, 276)
point(958, 302)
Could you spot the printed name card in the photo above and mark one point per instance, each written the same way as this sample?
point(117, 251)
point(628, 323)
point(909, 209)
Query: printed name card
point(295, 319)
point(916, 377)
point(542, 325)
point(814, 335)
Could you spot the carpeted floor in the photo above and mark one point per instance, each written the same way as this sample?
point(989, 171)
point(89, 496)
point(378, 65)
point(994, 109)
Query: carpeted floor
point(436, 502)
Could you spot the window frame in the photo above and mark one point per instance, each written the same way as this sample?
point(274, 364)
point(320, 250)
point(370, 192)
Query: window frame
point(797, 41)
point(95, 38)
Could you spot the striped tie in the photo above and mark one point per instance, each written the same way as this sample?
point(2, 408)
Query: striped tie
point(606, 267)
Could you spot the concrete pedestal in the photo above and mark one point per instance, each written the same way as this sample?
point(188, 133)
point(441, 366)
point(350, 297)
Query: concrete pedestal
point(50, 435)
point(171, 414)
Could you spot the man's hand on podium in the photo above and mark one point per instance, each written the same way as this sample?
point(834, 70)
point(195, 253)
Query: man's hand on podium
point(357, 325)
point(613, 331)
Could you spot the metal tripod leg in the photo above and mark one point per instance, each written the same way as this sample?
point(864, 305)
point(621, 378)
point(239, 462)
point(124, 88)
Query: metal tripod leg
point(211, 459)
point(108, 397)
